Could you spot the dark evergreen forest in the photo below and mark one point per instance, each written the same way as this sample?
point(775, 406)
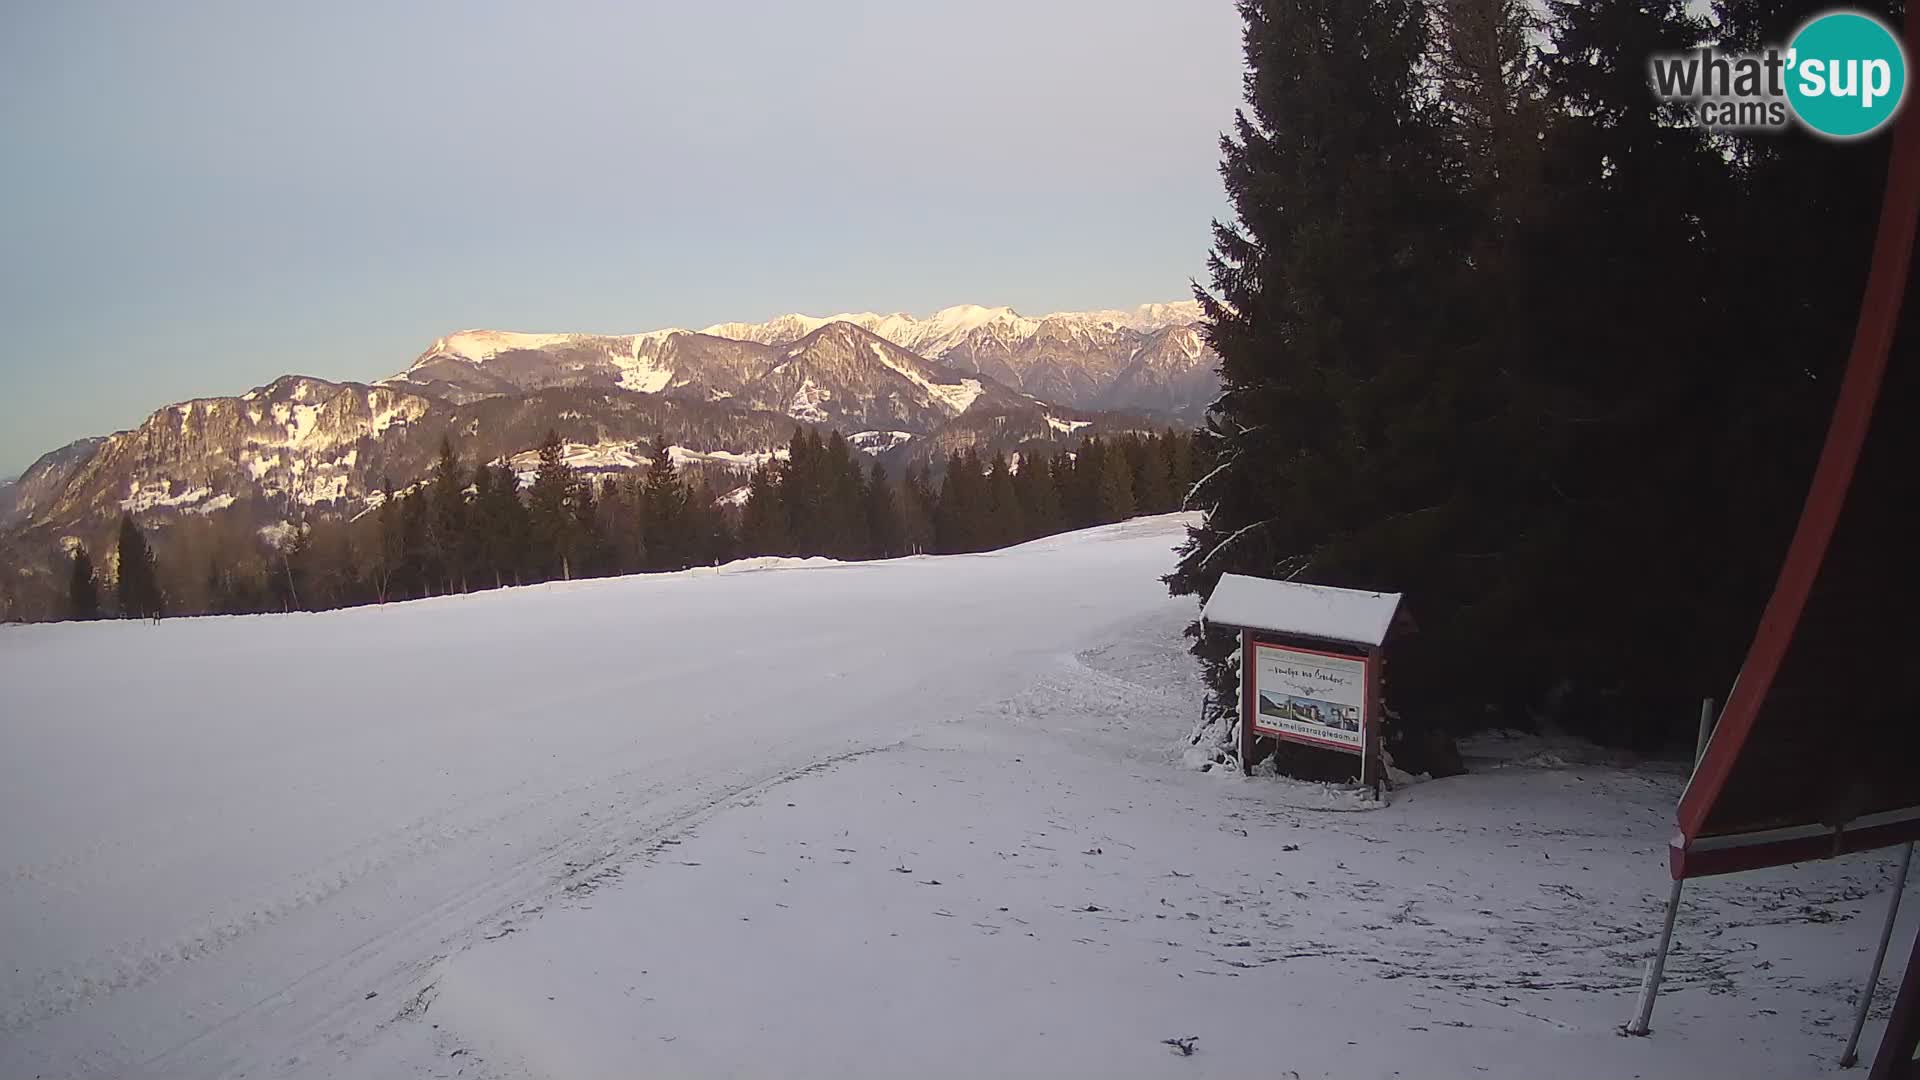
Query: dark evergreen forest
point(467, 527)
point(1504, 332)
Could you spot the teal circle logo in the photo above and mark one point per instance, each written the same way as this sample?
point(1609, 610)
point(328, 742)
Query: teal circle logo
point(1846, 74)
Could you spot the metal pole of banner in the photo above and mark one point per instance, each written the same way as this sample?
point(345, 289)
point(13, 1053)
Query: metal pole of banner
point(1657, 963)
point(1706, 731)
point(1656, 966)
point(1879, 957)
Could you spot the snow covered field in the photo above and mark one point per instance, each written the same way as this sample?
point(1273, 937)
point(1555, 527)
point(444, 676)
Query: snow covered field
point(923, 817)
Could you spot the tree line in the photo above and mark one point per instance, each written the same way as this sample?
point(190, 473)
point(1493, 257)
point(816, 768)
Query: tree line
point(1501, 330)
point(470, 528)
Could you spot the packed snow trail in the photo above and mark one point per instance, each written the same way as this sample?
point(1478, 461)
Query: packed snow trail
point(913, 818)
point(1036, 891)
point(230, 841)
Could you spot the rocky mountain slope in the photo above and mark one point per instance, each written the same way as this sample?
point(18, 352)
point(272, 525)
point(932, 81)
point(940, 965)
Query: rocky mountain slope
point(1147, 358)
point(1076, 359)
point(302, 442)
point(905, 390)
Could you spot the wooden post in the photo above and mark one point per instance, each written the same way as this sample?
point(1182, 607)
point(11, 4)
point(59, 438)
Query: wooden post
point(1372, 743)
point(1246, 702)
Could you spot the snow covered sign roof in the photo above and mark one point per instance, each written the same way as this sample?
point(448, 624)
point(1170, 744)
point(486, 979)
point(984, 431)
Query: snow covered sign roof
point(1289, 607)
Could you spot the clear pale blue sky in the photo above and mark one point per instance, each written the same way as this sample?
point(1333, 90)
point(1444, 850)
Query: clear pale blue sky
point(195, 198)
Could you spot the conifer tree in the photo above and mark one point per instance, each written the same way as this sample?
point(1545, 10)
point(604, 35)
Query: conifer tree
point(415, 515)
point(219, 588)
point(708, 540)
point(291, 571)
point(620, 525)
point(1786, 332)
point(667, 539)
point(508, 527)
point(1113, 499)
point(763, 520)
point(1039, 498)
point(1005, 524)
point(918, 502)
point(1089, 474)
point(588, 553)
point(1152, 486)
point(480, 568)
point(634, 489)
point(960, 518)
point(550, 511)
point(1333, 168)
point(83, 587)
point(1612, 405)
point(1180, 471)
point(885, 529)
point(844, 528)
point(1066, 488)
point(447, 525)
point(390, 557)
point(1492, 111)
point(138, 588)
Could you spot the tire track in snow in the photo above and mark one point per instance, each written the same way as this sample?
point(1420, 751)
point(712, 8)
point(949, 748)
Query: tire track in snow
point(549, 878)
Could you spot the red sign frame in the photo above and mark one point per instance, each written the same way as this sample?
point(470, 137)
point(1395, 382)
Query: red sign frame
point(1251, 728)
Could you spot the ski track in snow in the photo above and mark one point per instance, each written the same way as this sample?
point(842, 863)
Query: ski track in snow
point(1034, 890)
point(242, 826)
point(924, 818)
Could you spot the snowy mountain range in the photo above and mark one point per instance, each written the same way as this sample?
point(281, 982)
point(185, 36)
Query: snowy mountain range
point(1148, 357)
point(903, 388)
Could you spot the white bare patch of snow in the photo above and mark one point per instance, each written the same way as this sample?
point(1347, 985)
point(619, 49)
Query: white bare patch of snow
point(642, 373)
point(878, 442)
point(1292, 607)
point(807, 401)
point(141, 499)
point(403, 410)
point(680, 455)
point(477, 346)
point(953, 397)
point(1066, 427)
point(956, 397)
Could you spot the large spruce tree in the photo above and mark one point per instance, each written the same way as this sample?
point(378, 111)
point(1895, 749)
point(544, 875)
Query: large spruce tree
point(138, 588)
point(447, 526)
point(83, 587)
point(550, 511)
point(1004, 521)
point(1331, 436)
point(763, 520)
point(886, 534)
point(669, 545)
